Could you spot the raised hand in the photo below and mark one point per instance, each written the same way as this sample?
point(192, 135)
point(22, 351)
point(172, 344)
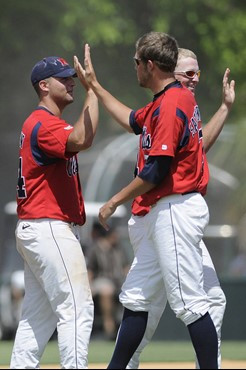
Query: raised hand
point(89, 72)
point(80, 72)
point(228, 90)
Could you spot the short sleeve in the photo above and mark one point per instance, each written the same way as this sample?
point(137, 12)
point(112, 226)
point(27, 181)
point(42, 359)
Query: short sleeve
point(52, 138)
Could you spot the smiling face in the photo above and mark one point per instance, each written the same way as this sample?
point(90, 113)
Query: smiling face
point(56, 93)
point(61, 89)
point(185, 64)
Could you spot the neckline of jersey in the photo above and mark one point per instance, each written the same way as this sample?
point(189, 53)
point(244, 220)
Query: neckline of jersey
point(169, 86)
point(45, 109)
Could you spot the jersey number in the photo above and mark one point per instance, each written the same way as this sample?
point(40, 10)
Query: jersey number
point(21, 186)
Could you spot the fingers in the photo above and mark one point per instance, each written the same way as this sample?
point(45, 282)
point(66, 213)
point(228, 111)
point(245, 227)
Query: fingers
point(75, 61)
point(102, 220)
point(87, 74)
point(104, 225)
point(77, 65)
point(226, 76)
point(232, 84)
point(80, 72)
point(226, 83)
point(228, 91)
point(87, 55)
point(87, 50)
point(105, 212)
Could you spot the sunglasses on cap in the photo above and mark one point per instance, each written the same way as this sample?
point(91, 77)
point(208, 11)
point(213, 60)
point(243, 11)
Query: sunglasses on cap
point(189, 74)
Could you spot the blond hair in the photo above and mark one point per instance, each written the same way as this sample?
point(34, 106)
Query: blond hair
point(186, 53)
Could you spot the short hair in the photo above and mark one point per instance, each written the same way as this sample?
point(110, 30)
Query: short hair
point(37, 88)
point(160, 48)
point(186, 53)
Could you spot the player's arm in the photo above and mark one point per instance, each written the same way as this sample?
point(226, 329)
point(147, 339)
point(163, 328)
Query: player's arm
point(213, 128)
point(152, 175)
point(82, 136)
point(135, 188)
point(115, 108)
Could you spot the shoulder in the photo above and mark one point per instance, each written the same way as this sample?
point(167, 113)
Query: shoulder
point(52, 123)
point(182, 97)
point(179, 91)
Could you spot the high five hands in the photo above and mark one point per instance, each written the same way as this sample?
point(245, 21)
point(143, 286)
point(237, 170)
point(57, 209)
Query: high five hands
point(87, 74)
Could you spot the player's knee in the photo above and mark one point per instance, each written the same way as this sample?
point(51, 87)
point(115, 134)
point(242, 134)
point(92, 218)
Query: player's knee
point(217, 298)
point(222, 299)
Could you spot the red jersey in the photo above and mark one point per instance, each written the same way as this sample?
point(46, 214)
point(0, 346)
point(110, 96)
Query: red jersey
point(171, 125)
point(48, 178)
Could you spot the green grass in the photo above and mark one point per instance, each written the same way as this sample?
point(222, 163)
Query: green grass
point(101, 351)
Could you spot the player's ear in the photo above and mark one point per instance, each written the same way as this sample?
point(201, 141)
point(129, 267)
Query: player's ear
point(150, 65)
point(43, 85)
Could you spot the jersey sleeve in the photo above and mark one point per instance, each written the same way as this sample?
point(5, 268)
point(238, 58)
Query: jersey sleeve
point(136, 120)
point(155, 169)
point(52, 138)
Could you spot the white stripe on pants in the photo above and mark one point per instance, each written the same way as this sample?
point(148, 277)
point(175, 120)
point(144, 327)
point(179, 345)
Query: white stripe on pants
point(139, 241)
point(57, 295)
point(174, 227)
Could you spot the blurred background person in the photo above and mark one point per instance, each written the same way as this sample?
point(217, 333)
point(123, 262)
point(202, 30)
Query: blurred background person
point(237, 266)
point(17, 289)
point(107, 264)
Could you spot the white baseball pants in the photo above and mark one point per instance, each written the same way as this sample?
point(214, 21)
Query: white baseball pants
point(57, 295)
point(154, 295)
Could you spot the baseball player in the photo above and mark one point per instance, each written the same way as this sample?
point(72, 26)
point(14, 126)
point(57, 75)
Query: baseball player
point(187, 71)
point(171, 179)
point(51, 211)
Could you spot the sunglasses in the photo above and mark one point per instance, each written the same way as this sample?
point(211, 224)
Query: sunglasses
point(190, 74)
point(137, 61)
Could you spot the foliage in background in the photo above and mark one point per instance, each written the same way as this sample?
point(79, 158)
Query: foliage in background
point(214, 30)
point(32, 29)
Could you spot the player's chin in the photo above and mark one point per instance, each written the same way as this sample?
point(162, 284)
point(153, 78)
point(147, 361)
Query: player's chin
point(142, 83)
point(70, 98)
point(192, 89)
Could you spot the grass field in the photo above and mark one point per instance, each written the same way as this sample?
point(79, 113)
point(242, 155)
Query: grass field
point(156, 352)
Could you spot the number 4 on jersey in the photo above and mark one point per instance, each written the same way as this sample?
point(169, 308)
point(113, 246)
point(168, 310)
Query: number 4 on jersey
point(21, 186)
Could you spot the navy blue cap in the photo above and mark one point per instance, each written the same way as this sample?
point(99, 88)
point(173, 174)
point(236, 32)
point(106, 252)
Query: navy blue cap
point(51, 67)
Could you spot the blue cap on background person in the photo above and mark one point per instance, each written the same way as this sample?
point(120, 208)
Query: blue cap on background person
point(51, 67)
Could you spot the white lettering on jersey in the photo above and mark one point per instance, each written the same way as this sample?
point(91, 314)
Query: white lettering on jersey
point(72, 166)
point(22, 137)
point(146, 139)
point(194, 122)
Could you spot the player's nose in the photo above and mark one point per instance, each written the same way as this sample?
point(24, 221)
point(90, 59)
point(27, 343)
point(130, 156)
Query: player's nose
point(195, 78)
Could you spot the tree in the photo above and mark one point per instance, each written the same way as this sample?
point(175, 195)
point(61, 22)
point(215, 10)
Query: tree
point(32, 29)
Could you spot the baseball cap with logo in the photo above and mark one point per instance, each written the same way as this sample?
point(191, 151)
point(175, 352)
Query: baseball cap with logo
point(51, 67)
